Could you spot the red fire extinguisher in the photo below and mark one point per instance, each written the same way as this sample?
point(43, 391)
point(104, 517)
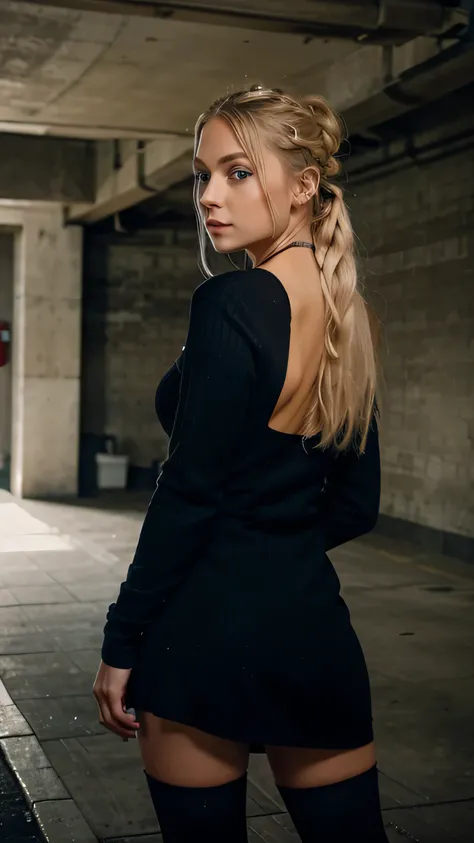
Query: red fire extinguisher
point(5, 339)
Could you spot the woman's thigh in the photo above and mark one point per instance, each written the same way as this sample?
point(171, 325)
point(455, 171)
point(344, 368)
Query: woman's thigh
point(184, 756)
point(295, 767)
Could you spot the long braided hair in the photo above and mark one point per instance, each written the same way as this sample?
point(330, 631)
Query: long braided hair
point(306, 131)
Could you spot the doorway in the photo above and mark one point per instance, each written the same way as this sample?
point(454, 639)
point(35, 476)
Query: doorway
point(6, 317)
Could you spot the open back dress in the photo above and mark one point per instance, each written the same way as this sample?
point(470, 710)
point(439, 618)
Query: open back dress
point(231, 616)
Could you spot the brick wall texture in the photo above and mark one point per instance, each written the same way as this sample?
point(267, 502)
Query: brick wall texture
point(415, 229)
point(416, 234)
point(137, 291)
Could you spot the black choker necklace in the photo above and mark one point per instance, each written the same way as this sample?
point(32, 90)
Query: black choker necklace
point(289, 246)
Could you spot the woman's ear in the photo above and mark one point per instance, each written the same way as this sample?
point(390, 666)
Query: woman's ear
point(308, 185)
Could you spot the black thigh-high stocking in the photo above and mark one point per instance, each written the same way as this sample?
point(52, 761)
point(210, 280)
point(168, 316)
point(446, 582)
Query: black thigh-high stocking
point(344, 812)
point(210, 814)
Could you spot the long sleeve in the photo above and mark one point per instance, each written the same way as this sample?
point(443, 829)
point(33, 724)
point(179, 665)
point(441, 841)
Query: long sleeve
point(352, 495)
point(217, 376)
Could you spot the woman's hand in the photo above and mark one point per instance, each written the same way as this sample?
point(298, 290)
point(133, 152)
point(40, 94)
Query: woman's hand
point(109, 690)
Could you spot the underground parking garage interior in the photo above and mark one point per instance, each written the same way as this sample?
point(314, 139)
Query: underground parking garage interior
point(98, 264)
point(98, 247)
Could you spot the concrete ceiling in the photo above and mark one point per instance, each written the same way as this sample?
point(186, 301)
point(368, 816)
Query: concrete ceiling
point(120, 83)
point(145, 67)
point(96, 75)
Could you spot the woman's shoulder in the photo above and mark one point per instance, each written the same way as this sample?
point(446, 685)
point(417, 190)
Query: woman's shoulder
point(256, 291)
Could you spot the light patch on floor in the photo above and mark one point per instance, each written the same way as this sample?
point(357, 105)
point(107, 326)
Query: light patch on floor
point(5, 698)
point(15, 521)
point(20, 532)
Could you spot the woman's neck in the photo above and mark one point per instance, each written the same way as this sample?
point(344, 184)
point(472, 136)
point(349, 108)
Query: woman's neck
point(259, 252)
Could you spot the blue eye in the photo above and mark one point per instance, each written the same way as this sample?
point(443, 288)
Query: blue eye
point(239, 173)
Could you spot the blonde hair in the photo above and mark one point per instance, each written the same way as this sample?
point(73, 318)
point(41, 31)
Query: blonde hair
point(305, 131)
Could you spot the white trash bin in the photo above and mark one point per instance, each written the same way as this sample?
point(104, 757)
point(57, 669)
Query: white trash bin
point(111, 471)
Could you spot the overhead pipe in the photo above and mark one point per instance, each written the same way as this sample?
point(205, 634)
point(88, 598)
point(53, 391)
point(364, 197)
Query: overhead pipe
point(141, 175)
point(399, 92)
point(385, 21)
point(402, 90)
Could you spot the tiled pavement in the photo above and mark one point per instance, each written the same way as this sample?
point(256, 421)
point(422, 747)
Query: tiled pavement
point(60, 566)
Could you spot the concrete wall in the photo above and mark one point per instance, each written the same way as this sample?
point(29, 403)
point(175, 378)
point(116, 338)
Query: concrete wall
point(47, 169)
point(415, 221)
point(137, 291)
point(46, 349)
point(6, 313)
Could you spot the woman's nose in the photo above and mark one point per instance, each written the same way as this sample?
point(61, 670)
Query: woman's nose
point(211, 196)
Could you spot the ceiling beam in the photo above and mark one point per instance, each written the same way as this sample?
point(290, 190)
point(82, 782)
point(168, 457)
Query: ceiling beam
point(368, 21)
point(127, 172)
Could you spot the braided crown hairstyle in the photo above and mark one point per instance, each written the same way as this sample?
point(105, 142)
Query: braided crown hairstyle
point(305, 131)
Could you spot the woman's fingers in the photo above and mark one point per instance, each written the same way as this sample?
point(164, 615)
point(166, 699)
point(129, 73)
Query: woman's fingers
point(123, 720)
point(122, 725)
point(109, 690)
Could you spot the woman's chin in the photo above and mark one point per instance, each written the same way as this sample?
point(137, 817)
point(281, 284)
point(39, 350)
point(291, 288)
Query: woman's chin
point(225, 246)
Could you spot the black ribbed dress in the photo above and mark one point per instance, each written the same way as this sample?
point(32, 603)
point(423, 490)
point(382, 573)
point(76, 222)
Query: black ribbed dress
point(231, 617)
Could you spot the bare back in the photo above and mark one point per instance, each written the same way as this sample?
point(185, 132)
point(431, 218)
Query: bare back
point(303, 287)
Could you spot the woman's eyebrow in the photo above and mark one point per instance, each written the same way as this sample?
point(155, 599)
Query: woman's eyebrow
point(225, 158)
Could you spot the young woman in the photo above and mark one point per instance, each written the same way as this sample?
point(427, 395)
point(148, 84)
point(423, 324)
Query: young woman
point(229, 634)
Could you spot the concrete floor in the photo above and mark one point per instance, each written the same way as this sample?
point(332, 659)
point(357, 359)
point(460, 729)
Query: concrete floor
point(413, 613)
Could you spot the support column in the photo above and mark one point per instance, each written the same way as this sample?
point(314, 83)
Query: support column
point(46, 350)
point(6, 312)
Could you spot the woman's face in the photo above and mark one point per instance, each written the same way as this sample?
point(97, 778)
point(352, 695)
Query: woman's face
point(232, 202)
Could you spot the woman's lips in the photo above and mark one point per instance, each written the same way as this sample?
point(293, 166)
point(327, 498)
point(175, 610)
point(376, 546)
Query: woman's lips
point(217, 227)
